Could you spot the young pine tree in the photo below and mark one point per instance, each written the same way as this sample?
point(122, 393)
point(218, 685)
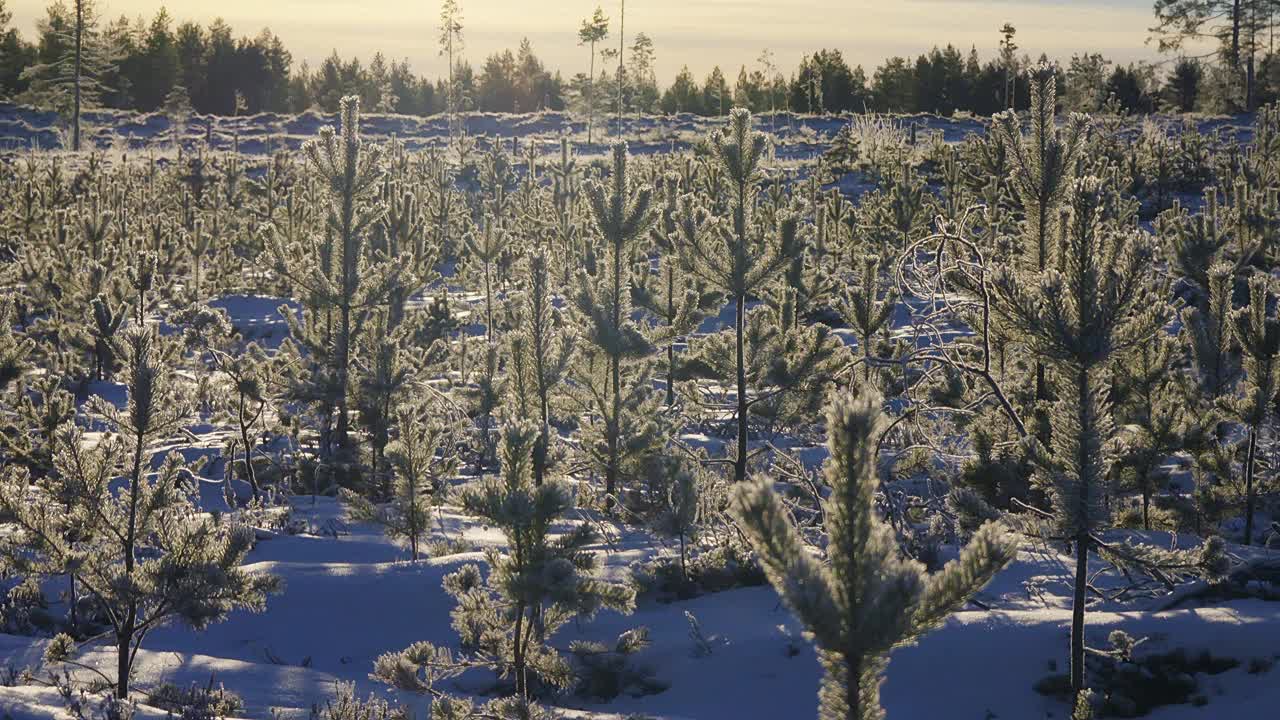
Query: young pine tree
point(868, 598)
point(14, 350)
point(142, 550)
point(340, 277)
point(613, 385)
point(742, 257)
point(532, 590)
point(1154, 415)
point(422, 458)
point(1259, 336)
point(1043, 166)
point(1207, 334)
point(1096, 303)
point(672, 294)
point(245, 379)
point(484, 251)
point(541, 352)
point(382, 379)
point(868, 306)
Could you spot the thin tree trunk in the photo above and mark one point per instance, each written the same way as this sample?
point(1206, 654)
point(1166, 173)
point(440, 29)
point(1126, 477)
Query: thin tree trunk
point(124, 641)
point(1146, 509)
point(1235, 36)
point(71, 579)
point(124, 633)
point(854, 680)
point(740, 323)
point(615, 368)
point(671, 347)
point(249, 473)
point(522, 686)
point(1250, 71)
point(1077, 613)
point(622, 47)
point(343, 360)
point(684, 571)
point(488, 304)
point(591, 96)
point(1248, 485)
point(1086, 426)
point(75, 127)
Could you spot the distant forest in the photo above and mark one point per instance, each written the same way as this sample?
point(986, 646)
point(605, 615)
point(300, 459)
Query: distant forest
point(172, 65)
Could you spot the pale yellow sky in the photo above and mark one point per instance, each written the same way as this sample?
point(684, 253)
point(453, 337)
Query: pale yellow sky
point(700, 33)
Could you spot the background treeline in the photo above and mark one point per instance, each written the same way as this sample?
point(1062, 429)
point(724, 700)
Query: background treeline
point(132, 63)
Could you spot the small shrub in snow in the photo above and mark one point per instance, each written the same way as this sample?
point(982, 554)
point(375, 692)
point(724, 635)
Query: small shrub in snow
point(606, 672)
point(1126, 684)
point(196, 702)
point(24, 610)
point(345, 705)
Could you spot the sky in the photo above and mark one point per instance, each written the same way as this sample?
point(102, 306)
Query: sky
point(699, 33)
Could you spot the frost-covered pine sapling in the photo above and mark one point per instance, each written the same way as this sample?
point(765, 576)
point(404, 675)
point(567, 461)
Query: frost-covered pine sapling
point(788, 372)
point(28, 436)
point(1154, 415)
point(383, 375)
point(14, 349)
point(196, 246)
point(442, 206)
point(247, 375)
point(144, 553)
point(867, 598)
point(1097, 302)
point(422, 458)
point(899, 213)
point(679, 514)
point(107, 319)
point(39, 407)
point(621, 211)
point(742, 257)
point(1043, 164)
point(402, 237)
point(1259, 336)
point(671, 293)
point(334, 265)
point(541, 350)
point(1207, 333)
point(867, 306)
point(1196, 243)
point(532, 589)
point(483, 397)
point(484, 250)
point(807, 288)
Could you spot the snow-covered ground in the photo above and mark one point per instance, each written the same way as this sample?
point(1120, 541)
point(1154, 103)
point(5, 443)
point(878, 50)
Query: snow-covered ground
point(352, 597)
